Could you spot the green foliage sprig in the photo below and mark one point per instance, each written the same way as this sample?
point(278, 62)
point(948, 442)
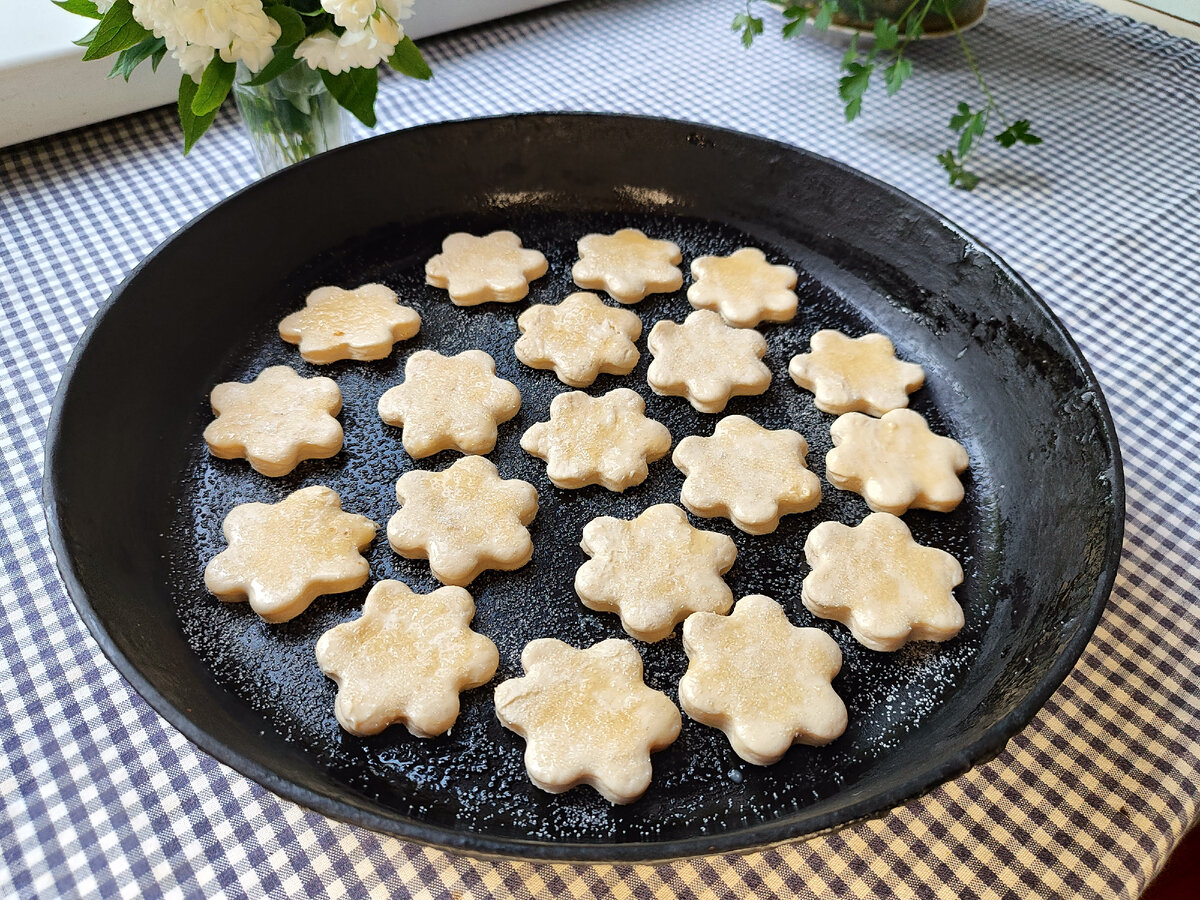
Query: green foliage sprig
point(887, 54)
point(118, 32)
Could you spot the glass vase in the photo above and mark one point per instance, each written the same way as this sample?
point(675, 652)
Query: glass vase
point(290, 118)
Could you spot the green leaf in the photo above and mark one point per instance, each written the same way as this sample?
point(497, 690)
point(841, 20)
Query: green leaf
point(355, 91)
point(157, 56)
point(961, 118)
point(959, 176)
point(307, 7)
point(117, 31)
point(132, 57)
point(214, 86)
point(193, 125)
point(750, 27)
point(853, 85)
point(284, 59)
point(887, 35)
point(1017, 132)
point(851, 54)
point(87, 38)
point(897, 73)
point(291, 26)
point(796, 11)
point(408, 60)
point(80, 8)
point(825, 14)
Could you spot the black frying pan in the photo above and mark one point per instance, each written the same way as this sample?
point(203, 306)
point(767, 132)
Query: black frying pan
point(135, 503)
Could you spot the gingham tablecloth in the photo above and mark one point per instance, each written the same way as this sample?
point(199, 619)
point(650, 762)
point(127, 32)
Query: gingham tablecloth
point(102, 798)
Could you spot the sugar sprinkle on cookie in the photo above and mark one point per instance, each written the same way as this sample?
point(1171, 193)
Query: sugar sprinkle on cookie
point(361, 324)
point(579, 339)
point(744, 288)
point(476, 270)
point(760, 679)
point(855, 374)
point(587, 717)
point(282, 556)
point(406, 659)
point(275, 421)
point(880, 583)
point(628, 265)
point(706, 361)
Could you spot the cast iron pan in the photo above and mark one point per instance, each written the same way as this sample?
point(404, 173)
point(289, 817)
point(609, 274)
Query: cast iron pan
point(135, 503)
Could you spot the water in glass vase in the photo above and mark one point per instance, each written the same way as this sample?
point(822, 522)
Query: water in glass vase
point(290, 118)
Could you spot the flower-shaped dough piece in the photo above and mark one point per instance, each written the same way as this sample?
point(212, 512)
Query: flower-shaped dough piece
point(361, 324)
point(587, 717)
point(855, 374)
point(406, 659)
point(603, 440)
point(895, 462)
point(463, 519)
point(628, 265)
point(744, 288)
point(880, 583)
point(579, 339)
point(706, 361)
point(761, 680)
point(276, 420)
point(282, 556)
point(479, 269)
point(747, 473)
point(654, 571)
point(449, 403)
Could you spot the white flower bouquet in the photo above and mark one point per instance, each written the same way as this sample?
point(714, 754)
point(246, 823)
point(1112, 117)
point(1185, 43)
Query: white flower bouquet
point(342, 40)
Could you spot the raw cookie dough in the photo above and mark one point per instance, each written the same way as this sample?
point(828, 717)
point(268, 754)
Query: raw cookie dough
point(855, 374)
point(587, 717)
point(744, 288)
point(761, 680)
point(276, 420)
point(579, 339)
point(706, 361)
point(479, 269)
point(463, 519)
point(282, 556)
point(654, 571)
point(603, 440)
point(896, 463)
point(406, 659)
point(880, 583)
point(361, 324)
point(449, 403)
point(628, 265)
point(747, 473)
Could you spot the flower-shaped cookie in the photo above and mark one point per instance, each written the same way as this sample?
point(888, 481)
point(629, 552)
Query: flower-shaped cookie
point(628, 265)
point(282, 556)
point(276, 420)
point(747, 473)
point(706, 361)
point(463, 519)
point(603, 440)
point(449, 403)
point(761, 680)
point(478, 269)
point(579, 339)
point(895, 462)
point(654, 571)
point(855, 374)
point(587, 717)
point(361, 324)
point(880, 583)
point(744, 288)
point(406, 659)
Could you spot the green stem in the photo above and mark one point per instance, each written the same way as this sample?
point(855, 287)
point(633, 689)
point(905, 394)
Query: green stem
point(992, 105)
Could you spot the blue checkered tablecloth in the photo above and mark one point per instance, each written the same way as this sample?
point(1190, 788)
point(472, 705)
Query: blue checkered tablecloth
point(102, 798)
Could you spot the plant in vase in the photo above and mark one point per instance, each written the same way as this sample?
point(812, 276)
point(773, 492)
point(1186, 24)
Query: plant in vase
point(889, 28)
point(291, 64)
